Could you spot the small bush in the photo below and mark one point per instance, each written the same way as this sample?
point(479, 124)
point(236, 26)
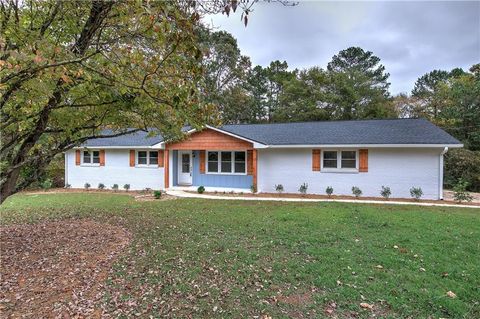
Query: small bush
point(46, 184)
point(200, 189)
point(329, 191)
point(101, 186)
point(356, 191)
point(385, 192)
point(126, 187)
point(253, 188)
point(460, 193)
point(279, 188)
point(86, 186)
point(157, 194)
point(115, 187)
point(416, 192)
point(303, 188)
point(68, 186)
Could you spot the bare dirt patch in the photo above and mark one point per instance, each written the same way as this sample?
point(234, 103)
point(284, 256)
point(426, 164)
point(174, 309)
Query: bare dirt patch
point(56, 269)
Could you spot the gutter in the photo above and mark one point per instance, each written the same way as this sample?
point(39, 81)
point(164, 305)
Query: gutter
point(440, 173)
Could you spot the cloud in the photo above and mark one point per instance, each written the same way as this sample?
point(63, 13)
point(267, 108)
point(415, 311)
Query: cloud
point(411, 38)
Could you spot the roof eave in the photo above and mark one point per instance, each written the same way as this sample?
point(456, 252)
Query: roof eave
point(365, 145)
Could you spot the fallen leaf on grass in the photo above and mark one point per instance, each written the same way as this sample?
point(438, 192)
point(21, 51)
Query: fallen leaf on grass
point(379, 266)
point(365, 305)
point(451, 294)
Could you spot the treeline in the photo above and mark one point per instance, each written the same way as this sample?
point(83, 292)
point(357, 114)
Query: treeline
point(355, 85)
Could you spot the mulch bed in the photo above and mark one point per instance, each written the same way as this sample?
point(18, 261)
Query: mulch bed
point(333, 197)
point(56, 269)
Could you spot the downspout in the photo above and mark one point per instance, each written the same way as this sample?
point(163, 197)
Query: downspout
point(440, 174)
point(66, 168)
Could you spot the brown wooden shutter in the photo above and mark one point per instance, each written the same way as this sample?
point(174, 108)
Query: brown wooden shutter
point(132, 158)
point(77, 157)
point(102, 157)
point(250, 162)
point(167, 169)
point(254, 168)
point(160, 158)
point(316, 160)
point(363, 154)
point(202, 162)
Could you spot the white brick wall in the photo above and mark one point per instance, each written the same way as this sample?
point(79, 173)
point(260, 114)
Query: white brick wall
point(117, 170)
point(400, 169)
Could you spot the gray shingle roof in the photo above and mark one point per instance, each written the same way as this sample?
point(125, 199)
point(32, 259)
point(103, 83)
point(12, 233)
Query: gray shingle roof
point(139, 138)
point(394, 131)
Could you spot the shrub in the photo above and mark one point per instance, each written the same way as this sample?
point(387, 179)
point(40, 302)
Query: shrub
point(386, 192)
point(87, 186)
point(115, 187)
point(200, 189)
point(101, 186)
point(68, 186)
point(416, 192)
point(253, 188)
point(46, 184)
point(126, 187)
point(460, 193)
point(463, 164)
point(329, 191)
point(356, 191)
point(279, 188)
point(157, 194)
point(303, 188)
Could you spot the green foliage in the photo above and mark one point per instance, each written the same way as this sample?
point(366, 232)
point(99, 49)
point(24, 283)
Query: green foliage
point(329, 191)
point(126, 187)
point(465, 165)
point(279, 188)
point(356, 191)
point(385, 192)
point(201, 189)
point(115, 187)
point(68, 70)
point(253, 188)
point(157, 194)
point(416, 192)
point(87, 186)
point(460, 193)
point(303, 189)
point(46, 184)
point(101, 186)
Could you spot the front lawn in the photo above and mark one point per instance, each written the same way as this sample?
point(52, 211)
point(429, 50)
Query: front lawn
point(212, 258)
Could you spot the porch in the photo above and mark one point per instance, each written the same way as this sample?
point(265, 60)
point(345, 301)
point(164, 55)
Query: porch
point(213, 159)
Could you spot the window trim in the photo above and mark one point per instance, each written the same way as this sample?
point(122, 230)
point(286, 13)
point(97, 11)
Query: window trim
point(339, 168)
point(148, 158)
point(82, 155)
point(219, 162)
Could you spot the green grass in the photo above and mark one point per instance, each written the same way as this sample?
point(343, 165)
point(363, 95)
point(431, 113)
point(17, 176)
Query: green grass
point(232, 258)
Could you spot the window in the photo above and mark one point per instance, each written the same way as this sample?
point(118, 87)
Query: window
point(212, 162)
point(349, 159)
point(91, 157)
point(330, 159)
point(226, 162)
point(340, 160)
point(147, 158)
point(185, 163)
point(239, 162)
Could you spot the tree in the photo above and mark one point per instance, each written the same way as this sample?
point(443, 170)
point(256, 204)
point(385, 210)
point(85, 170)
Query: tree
point(69, 69)
point(225, 71)
point(303, 98)
point(459, 100)
point(358, 86)
point(277, 75)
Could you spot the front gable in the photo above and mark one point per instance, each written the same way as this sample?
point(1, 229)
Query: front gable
point(209, 139)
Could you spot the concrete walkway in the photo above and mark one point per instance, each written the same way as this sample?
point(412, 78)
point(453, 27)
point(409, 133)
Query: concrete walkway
point(179, 193)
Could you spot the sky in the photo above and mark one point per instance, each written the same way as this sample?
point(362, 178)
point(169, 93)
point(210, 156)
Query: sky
point(411, 38)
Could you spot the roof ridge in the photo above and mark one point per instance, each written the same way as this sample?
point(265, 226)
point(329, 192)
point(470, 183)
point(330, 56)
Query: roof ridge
point(329, 121)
